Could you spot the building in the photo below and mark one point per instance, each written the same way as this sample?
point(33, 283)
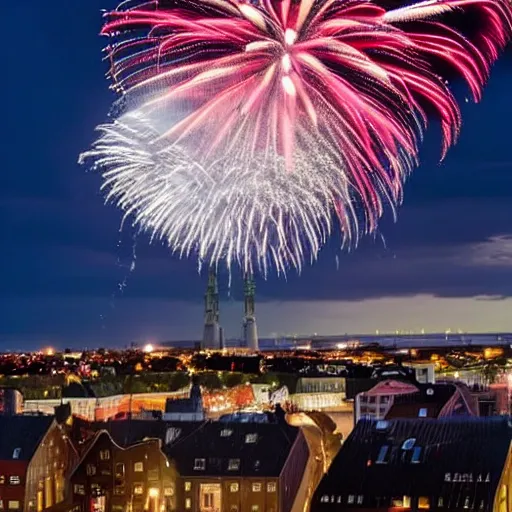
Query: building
point(110, 478)
point(36, 457)
point(239, 467)
point(186, 409)
point(11, 402)
point(446, 464)
point(250, 330)
point(402, 399)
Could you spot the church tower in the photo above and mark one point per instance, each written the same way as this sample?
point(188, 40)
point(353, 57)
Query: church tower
point(249, 324)
point(211, 333)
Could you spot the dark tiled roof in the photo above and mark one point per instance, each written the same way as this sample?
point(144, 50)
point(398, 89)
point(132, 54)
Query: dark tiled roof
point(128, 432)
point(219, 442)
point(469, 450)
point(431, 397)
point(25, 432)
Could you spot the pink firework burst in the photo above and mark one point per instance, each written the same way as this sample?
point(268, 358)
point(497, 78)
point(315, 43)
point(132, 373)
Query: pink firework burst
point(273, 77)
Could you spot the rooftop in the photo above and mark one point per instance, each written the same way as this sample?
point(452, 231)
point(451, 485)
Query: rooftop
point(453, 463)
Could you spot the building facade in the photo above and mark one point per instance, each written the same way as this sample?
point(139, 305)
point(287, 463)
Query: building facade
point(110, 478)
point(239, 467)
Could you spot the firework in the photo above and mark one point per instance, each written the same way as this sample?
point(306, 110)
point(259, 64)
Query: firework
point(252, 129)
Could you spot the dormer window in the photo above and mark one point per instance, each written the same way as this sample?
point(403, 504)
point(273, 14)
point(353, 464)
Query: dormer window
point(382, 457)
point(416, 455)
point(422, 413)
point(251, 438)
point(16, 453)
point(172, 434)
point(199, 464)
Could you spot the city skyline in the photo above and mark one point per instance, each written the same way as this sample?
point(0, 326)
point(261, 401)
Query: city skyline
point(446, 263)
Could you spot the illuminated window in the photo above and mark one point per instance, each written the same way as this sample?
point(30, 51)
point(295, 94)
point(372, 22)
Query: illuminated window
point(104, 454)
point(271, 487)
point(407, 502)
point(188, 486)
point(440, 502)
point(16, 453)
point(324, 499)
point(256, 487)
point(120, 470)
point(13, 505)
point(169, 491)
point(466, 502)
point(188, 503)
point(256, 465)
point(1, 505)
point(14, 480)
point(226, 432)
point(422, 413)
point(91, 469)
point(360, 499)
point(423, 503)
point(255, 508)
point(138, 467)
point(251, 438)
point(381, 459)
point(138, 489)
point(2, 479)
point(234, 464)
point(351, 498)
point(79, 489)
point(119, 490)
point(48, 494)
point(199, 464)
point(234, 487)
point(416, 455)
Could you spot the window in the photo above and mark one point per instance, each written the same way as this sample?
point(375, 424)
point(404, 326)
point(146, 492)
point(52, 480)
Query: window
point(226, 432)
point(351, 498)
point(271, 487)
point(48, 488)
point(120, 470)
point(407, 502)
point(324, 499)
point(91, 469)
point(138, 467)
point(466, 502)
point(256, 465)
point(104, 454)
point(138, 489)
point(422, 413)
point(251, 438)
point(79, 489)
point(234, 464)
point(416, 455)
point(2, 479)
point(172, 434)
point(16, 453)
point(381, 459)
point(14, 480)
point(168, 491)
point(423, 503)
point(255, 508)
point(360, 499)
point(256, 487)
point(13, 505)
point(199, 464)
point(408, 444)
point(440, 502)
point(188, 486)
point(233, 487)
point(188, 503)
point(119, 490)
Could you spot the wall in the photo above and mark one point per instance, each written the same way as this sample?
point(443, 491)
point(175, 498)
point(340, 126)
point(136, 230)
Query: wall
point(9, 492)
point(49, 470)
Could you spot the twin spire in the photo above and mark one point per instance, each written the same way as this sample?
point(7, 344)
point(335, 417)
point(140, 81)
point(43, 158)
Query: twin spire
point(213, 338)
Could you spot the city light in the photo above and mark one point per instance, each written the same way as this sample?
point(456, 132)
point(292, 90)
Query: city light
point(148, 348)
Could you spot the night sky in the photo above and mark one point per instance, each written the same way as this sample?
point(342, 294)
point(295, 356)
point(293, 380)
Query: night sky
point(446, 263)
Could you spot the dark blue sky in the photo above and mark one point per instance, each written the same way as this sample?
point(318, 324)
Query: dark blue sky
point(447, 263)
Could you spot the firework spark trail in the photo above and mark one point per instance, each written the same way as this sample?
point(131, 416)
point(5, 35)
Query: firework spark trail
point(253, 128)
